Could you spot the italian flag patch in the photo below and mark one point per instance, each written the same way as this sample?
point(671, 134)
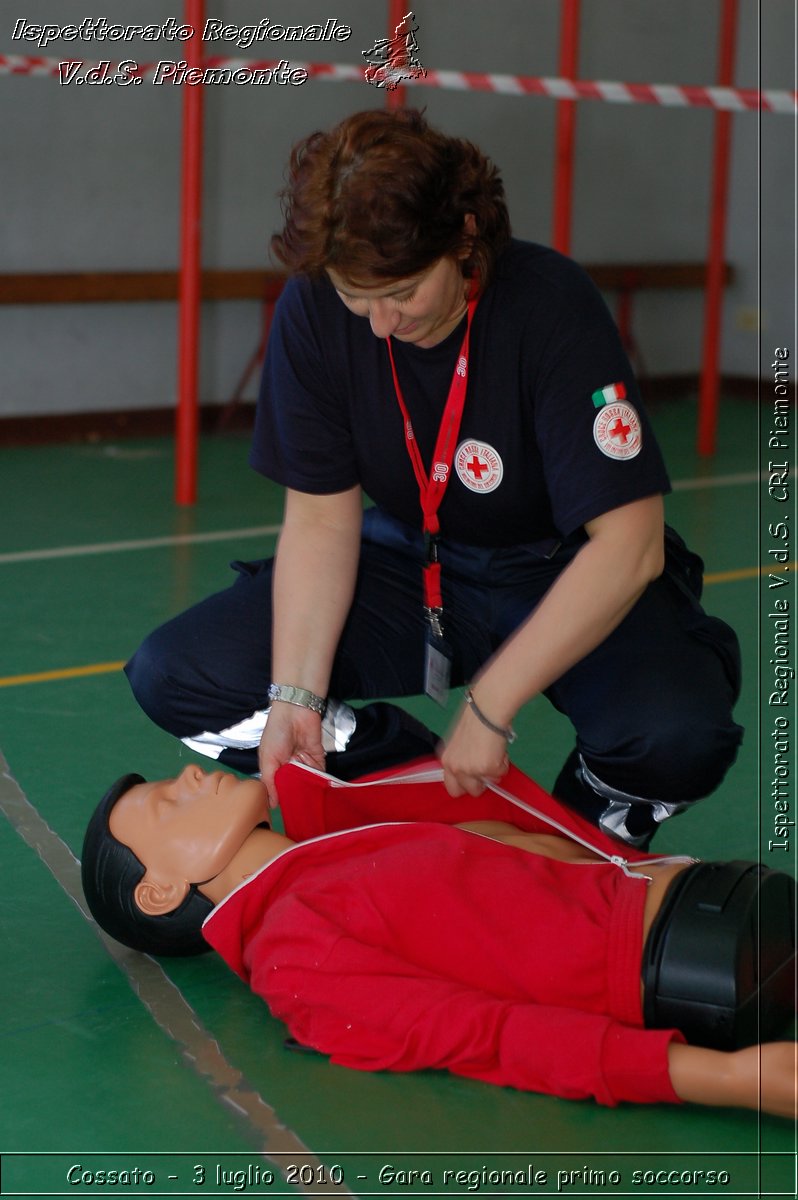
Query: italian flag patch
point(609, 395)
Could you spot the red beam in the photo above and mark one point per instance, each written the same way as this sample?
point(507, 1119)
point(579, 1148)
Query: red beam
point(565, 130)
point(187, 417)
point(713, 303)
point(397, 10)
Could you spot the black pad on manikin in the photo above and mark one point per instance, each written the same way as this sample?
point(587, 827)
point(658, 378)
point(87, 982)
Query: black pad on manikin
point(719, 961)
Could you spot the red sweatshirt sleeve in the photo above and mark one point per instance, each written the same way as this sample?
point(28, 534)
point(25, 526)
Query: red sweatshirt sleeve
point(369, 1010)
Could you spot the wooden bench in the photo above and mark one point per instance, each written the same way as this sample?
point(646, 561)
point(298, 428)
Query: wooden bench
point(133, 287)
point(626, 279)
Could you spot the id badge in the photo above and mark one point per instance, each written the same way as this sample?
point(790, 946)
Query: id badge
point(437, 669)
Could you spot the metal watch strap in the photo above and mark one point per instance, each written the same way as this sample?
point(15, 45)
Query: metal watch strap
point(299, 696)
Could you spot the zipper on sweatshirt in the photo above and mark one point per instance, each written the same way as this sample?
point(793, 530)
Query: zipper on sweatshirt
point(435, 775)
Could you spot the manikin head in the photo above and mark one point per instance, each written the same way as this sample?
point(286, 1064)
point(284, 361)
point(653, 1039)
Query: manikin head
point(158, 856)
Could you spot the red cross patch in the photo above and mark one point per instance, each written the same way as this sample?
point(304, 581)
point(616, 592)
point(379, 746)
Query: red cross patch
point(617, 432)
point(478, 466)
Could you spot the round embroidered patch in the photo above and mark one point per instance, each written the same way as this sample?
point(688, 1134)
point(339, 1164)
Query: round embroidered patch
point(478, 466)
point(617, 432)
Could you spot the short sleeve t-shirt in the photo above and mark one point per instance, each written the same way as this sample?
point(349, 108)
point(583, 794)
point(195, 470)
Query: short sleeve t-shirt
point(553, 433)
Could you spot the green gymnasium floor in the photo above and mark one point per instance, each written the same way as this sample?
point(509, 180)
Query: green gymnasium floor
point(111, 1061)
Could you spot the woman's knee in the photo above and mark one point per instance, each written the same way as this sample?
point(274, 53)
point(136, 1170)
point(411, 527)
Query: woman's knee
point(673, 761)
point(153, 673)
point(208, 667)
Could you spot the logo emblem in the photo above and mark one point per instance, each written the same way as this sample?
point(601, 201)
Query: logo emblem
point(617, 432)
point(395, 59)
point(478, 466)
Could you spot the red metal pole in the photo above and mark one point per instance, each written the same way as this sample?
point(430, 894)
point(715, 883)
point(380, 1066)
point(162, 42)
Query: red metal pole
point(713, 302)
point(565, 130)
point(397, 10)
point(187, 417)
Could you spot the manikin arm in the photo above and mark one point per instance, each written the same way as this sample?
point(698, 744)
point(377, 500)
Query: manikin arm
point(758, 1077)
point(371, 1009)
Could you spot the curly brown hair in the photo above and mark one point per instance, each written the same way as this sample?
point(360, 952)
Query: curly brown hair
point(383, 195)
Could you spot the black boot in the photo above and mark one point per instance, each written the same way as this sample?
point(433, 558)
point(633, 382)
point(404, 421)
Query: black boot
point(385, 736)
point(630, 820)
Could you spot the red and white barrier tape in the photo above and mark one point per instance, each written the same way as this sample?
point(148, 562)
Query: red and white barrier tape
point(666, 95)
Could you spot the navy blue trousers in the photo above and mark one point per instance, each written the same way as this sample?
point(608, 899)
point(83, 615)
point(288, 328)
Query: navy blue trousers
point(651, 707)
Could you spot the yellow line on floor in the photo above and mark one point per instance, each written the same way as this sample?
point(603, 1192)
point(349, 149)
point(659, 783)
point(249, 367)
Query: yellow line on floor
point(107, 668)
point(748, 573)
point(64, 673)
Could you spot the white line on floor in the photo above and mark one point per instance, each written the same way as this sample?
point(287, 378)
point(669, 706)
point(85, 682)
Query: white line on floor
point(222, 535)
point(177, 539)
point(166, 1004)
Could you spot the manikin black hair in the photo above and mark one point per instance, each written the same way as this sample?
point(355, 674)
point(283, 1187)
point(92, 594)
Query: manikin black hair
point(110, 872)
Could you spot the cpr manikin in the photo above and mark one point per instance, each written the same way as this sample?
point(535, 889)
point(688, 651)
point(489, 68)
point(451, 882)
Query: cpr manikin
point(393, 927)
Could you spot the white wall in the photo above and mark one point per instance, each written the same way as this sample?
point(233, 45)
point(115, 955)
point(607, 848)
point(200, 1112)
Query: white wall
point(91, 174)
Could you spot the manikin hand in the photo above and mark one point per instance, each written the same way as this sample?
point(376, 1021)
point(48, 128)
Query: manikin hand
point(763, 1078)
point(768, 1078)
point(291, 732)
point(471, 754)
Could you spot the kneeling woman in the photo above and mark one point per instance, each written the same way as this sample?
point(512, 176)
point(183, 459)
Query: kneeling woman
point(499, 937)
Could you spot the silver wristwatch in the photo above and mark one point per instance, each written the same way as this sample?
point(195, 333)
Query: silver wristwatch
point(297, 695)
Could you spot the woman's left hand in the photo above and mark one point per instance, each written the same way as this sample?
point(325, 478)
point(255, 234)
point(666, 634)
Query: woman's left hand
point(472, 754)
point(623, 553)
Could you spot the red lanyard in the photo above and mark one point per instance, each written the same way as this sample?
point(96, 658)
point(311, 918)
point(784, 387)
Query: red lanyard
point(432, 488)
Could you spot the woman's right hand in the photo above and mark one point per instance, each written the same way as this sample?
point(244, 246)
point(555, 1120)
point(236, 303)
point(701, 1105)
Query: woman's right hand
point(291, 732)
point(314, 581)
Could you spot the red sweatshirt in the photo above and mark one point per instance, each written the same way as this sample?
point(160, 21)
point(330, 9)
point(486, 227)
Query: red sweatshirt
point(411, 944)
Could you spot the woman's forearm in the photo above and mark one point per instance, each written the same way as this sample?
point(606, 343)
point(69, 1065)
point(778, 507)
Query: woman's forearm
point(314, 579)
point(581, 609)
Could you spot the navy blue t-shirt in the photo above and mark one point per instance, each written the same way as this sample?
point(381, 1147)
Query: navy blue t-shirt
point(552, 435)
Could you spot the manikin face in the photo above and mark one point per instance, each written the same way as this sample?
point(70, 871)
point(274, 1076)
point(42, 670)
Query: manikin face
point(187, 830)
point(422, 309)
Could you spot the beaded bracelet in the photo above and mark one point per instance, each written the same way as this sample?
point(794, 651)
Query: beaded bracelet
point(508, 734)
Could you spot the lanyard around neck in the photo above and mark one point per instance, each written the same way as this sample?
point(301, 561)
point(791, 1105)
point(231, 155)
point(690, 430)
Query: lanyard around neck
point(432, 486)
